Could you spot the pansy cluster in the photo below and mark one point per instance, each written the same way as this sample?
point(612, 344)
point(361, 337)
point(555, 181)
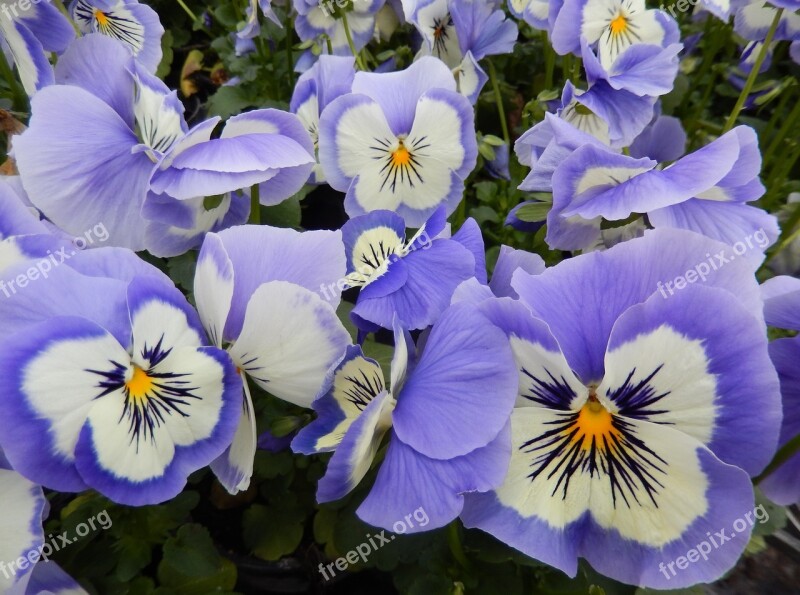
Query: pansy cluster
point(592, 379)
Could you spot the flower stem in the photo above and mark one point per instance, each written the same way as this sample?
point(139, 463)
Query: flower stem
point(498, 98)
point(187, 10)
point(788, 124)
point(255, 205)
point(751, 79)
point(454, 541)
point(352, 45)
point(289, 58)
point(785, 452)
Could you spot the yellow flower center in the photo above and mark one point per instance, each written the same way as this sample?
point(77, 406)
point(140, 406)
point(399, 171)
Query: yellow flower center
point(595, 425)
point(619, 24)
point(401, 156)
point(140, 384)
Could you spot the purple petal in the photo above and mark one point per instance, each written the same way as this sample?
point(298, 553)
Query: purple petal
point(462, 389)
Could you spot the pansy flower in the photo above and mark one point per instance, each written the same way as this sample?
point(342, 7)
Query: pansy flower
point(639, 418)
point(60, 155)
point(268, 147)
point(612, 25)
point(127, 125)
point(123, 392)
point(410, 281)
point(251, 27)
point(21, 518)
point(461, 33)
point(324, 17)
point(402, 141)
point(782, 309)
point(705, 191)
point(533, 12)
point(29, 36)
point(135, 25)
point(329, 78)
point(255, 288)
point(445, 414)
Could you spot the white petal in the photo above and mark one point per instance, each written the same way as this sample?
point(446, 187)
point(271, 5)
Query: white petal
point(289, 339)
point(213, 287)
point(63, 381)
point(679, 369)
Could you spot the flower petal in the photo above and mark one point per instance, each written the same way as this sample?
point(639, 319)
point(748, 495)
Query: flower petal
point(289, 339)
point(461, 391)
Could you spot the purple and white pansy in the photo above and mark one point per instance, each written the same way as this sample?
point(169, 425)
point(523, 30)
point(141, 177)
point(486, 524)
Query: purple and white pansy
point(410, 282)
point(445, 414)
point(255, 288)
point(128, 398)
point(402, 141)
point(633, 411)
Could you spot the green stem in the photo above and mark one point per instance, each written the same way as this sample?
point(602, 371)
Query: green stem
point(498, 98)
point(329, 43)
point(454, 541)
point(289, 57)
point(778, 140)
point(187, 10)
point(566, 66)
point(784, 453)
point(779, 110)
point(576, 71)
point(352, 45)
point(751, 79)
point(255, 205)
point(20, 97)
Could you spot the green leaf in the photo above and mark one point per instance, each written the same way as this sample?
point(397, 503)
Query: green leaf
point(272, 532)
point(192, 566)
point(325, 524)
point(181, 269)
point(485, 191)
point(212, 202)
point(487, 151)
point(227, 102)
point(484, 213)
point(166, 61)
point(285, 214)
point(534, 212)
point(767, 516)
point(431, 584)
point(493, 140)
